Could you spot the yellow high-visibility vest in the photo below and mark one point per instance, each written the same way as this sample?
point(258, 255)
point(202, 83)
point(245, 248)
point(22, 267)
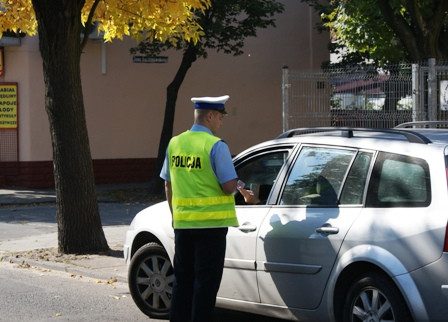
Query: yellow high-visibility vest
point(197, 197)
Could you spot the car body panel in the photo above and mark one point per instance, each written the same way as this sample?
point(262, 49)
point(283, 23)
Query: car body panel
point(402, 231)
point(435, 299)
point(239, 279)
point(156, 221)
point(294, 260)
point(382, 258)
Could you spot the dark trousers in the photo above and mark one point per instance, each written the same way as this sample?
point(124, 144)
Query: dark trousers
point(198, 266)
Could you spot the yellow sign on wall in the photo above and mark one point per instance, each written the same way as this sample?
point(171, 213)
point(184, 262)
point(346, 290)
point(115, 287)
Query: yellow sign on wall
point(8, 106)
point(2, 67)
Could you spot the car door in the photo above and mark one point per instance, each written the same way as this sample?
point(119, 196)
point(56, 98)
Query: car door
point(259, 171)
point(300, 236)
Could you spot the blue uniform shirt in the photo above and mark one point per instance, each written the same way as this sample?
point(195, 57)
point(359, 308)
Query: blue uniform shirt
point(220, 158)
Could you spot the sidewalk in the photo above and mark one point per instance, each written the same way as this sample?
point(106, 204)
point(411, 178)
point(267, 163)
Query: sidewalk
point(27, 216)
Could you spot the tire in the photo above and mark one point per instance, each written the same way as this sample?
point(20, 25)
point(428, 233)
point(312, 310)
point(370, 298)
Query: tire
point(373, 297)
point(150, 279)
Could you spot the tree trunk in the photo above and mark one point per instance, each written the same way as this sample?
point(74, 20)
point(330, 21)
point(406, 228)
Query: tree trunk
point(172, 91)
point(79, 223)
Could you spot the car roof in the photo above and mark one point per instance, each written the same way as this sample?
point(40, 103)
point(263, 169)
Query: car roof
point(434, 135)
point(357, 137)
point(414, 135)
point(419, 133)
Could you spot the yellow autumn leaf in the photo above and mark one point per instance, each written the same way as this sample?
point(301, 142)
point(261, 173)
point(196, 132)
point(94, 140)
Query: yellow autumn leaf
point(156, 19)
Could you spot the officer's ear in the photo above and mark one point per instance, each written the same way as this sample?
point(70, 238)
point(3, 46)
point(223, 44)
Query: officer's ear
point(210, 115)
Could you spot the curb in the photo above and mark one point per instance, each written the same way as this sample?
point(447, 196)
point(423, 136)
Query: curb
point(106, 269)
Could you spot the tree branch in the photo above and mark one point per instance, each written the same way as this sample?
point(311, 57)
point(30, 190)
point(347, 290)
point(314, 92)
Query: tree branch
point(428, 30)
point(397, 23)
point(88, 29)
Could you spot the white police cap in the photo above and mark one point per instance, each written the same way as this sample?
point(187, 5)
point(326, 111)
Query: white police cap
point(211, 103)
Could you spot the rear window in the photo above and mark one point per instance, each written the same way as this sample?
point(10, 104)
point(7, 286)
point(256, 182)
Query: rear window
point(399, 181)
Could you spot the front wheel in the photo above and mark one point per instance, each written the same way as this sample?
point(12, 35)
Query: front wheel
point(373, 297)
point(150, 279)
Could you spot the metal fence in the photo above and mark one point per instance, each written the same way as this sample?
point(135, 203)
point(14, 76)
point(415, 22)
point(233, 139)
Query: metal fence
point(372, 98)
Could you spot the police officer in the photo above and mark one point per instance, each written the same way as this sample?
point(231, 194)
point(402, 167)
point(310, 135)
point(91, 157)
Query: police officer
point(199, 182)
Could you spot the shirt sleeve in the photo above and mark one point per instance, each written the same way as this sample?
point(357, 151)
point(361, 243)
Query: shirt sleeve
point(221, 161)
point(165, 173)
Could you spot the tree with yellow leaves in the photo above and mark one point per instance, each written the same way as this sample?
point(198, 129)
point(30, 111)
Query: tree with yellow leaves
point(58, 24)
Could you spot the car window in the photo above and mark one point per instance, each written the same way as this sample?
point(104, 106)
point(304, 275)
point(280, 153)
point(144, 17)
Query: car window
point(259, 173)
point(354, 186)
point(399, 181)
point(317, 176)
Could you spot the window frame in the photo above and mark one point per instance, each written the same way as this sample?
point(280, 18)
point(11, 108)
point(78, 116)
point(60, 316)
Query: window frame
point(265, 150)
point(294, 158)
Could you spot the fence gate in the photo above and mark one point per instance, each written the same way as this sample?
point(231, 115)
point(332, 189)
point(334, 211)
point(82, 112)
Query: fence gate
point(430, 86)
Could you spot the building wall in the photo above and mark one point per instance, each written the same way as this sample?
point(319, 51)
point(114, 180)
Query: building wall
point(125, 101)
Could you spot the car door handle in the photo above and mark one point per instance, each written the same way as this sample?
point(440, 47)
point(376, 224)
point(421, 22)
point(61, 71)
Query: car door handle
point(327, 230)
point(247, 227)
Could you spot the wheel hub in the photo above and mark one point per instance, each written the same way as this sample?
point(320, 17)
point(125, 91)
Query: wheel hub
point(372, 317)
point(158, 283)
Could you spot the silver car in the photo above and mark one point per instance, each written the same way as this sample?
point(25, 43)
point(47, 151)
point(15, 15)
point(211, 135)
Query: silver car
point(353, 227)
